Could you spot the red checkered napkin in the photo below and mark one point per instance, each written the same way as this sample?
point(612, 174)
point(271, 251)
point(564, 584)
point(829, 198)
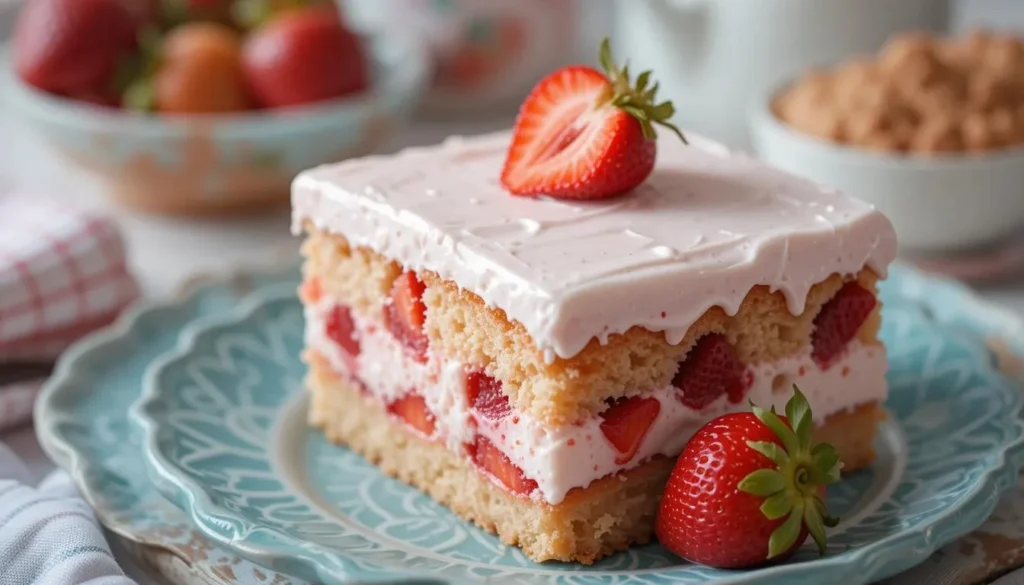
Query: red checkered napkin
point(62, 275)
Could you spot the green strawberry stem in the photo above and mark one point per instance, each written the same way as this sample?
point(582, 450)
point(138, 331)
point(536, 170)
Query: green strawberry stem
point(133, 80)
point(791, 489)
point(638, 101)
point(252, 14)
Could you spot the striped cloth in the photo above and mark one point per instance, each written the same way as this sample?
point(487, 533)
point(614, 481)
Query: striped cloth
point(48, 535)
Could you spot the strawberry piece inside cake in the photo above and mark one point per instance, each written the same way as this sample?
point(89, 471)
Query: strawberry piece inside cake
point(536, 365)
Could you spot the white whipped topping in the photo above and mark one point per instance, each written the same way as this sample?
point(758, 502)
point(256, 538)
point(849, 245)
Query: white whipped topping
point(560, 459)
point(705, 227)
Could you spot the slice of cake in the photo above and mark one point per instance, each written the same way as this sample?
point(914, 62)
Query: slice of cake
point(536, 365)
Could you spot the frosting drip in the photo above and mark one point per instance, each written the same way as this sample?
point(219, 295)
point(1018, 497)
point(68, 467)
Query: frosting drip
point(706, 227)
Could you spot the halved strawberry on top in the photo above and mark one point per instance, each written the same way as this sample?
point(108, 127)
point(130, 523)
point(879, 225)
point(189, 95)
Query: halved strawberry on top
point(586, 134)
point(405, 314)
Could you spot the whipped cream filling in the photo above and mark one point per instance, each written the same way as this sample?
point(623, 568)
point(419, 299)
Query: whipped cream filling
point(560, 459)
point(707, 226)
point(572, 456)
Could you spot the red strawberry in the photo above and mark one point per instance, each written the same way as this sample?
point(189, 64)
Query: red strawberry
point(199, 71)
point(304, 56)
point(311, 291)
point(584, 134)
point(839, 321)
point(470, 67)
point(748, 488)
point(405, 313)
point(485, 396)
point(341, 329)
point(498, 466)
point(710, 370)
point(412, 409)
point(67, 46)
point(625, 424)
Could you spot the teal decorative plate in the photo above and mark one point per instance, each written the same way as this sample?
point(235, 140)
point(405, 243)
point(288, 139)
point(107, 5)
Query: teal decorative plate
point(82, 421)
point(225, 439)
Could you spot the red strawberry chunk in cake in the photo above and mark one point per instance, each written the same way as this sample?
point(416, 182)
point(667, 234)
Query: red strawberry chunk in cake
point(485, 396)
point(625, 424)
point(311, 291)
point(500, 467)
point(342, 330)
point(710, 370)
point(405, 313)
point(412, 409)
point(838, 322)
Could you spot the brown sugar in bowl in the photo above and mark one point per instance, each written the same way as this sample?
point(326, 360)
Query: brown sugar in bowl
point(920, 96)
point(903, 150)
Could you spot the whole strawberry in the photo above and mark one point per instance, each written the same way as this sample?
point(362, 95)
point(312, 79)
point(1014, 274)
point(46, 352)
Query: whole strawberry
point(748, 488)
point(304, 56)
point(69, 46)
point(586, 134)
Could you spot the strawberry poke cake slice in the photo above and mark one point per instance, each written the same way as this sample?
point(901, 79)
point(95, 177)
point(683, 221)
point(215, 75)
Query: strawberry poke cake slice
point(536, 363)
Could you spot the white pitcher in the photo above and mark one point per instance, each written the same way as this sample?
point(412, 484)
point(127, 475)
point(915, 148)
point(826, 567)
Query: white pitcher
point(712, 55)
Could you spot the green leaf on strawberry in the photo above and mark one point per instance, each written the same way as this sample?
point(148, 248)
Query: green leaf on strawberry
point(637, 100)
point(133, 81)
point(251, 14)
point(792, 488)
point(748, 489)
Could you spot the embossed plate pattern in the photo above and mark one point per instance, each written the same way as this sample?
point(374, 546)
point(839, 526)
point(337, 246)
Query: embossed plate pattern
point(82, 421)
point(224, 440)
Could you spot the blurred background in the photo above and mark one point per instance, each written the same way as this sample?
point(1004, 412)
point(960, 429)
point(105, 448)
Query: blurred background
point(185, 133)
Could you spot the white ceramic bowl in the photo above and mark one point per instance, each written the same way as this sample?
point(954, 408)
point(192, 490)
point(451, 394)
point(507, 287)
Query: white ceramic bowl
point(939, 204)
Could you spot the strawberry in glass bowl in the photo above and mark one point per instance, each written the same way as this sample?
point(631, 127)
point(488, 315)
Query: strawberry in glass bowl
point(206, 106)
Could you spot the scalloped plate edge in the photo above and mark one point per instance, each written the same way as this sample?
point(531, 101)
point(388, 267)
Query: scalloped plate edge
point(186, 493)
point(109, 339)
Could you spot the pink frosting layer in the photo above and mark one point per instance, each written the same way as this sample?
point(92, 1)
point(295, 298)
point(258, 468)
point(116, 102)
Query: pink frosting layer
point(707, 226)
